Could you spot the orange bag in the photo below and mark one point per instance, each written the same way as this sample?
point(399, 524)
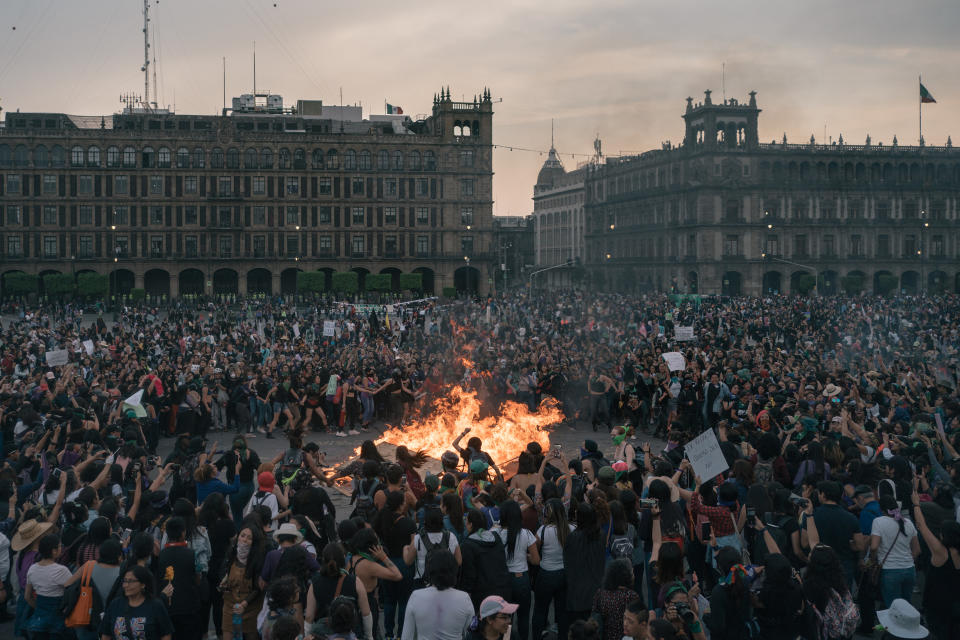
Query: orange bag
point(80, 616)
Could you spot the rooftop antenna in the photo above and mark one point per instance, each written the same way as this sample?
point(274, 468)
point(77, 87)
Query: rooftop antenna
point(224, 85)
point(146, 54)
point(156, 93)
point(723, 80)
point(551, 133)
point(341, 109)
point(254, 72)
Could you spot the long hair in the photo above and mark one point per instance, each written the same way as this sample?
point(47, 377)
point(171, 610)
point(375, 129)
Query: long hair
point(823, 573)
point(409, 460)
point(511, 519)
point(214, 508)
point(815, 455)
point(452, 504)
point(599, 501)
point(731, 571)
point(889, 506)
point(368, 451)
point(332, 560)
point(619, 573)
point(587, 521)
point(556, 515)
point(185, 509)
point(258, 552)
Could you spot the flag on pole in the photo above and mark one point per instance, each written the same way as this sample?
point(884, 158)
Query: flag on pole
point(925, 96)
point(394, 110)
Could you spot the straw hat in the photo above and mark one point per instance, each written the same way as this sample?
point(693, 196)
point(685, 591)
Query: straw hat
point(902, 620)
point(831, 390)
point(28, 532)
point(288, 529)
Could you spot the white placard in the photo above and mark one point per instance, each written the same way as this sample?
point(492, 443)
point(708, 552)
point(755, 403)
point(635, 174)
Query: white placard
point(88, 347)
point(682, 334)
point(706, 456)
point(675, 361)
point(58, 357)
point(329, 327)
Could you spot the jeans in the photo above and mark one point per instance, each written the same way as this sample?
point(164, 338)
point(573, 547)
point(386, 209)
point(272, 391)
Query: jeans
point(551, 586)
point(368, 407)
point(520, 594)
point(394, 596)
point(897, 583)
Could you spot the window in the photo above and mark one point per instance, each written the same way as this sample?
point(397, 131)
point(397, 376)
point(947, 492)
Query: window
point(121, 246)
point(466, 187)
point(909, 246)
point(259, 246)
point(466, 245)
point(14, 184)
point(800, 245)
point(350, 160)
point(413, 160)
point(190, 246)
point(14, 214)
point(423, 187)
point(359, 215)
point(259, 185)
point(773, 245)
point(324, 215)
point(216, 158)
point(357, 186)
point(190, 215)
point(466, 215)
point(800, 210)
point(156, 246)
point(284, 159)
point(113, 157)
point(259, 216)
point(85, 185)
point(266, 159)
point(429, 161)
point(365, 161)
point(226, 246)
point(357, 245)
point(293, 186)
point(13, 246)
point(383, 160)
point(149, 157)
point(325, 246)
point(316, 159)
point(390, 246)
point(121, 216)
point(883, 211)
point(190, 185)
point(50, 215)
point(828, 210)
point(397, 164)
point(85, 247)
point(121, 185)
point(423, 216)
point(333, 159)
point(423, 245)
point(390, 215)
point(224, 185)
point(76, 157)
point(224, 216)
point(156, 216)
point(883, 245)
point(390, 187)
point(233, 158)
point(293, 215)
point(293, 246)
point(250, 159)
point(326, 186)
point(49, 185)
point(163, 158)
point(466, 158)
point(129, 157)
point(41, 157)
point(731, 245)
point(93, 157)
point(49, 246)
point(299, 159)
point(938, 247)
point(183, 158)
point(829, 248)
point(855, 209)
point(156, 185)
point(856, 245)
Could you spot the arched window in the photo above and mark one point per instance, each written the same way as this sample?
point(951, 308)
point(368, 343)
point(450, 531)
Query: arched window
point(429, 161)
point(299, 159)
point(113, 156)
point(6, 158)
point(316, 158)
point(41, 157)
point(365, 161)
point(129, 157)
point(233, 158)
point(397, 161)
point(413, 160)
point(383, 160)
point(58, 156)
point(21, 156)
point(76, 156)
point(333, 160)
point(149, 157)
point(266, 159)
point(465, 130)
point(350, 160)
point(250, 159)
point(199, 158)
point(284, 162)
point(216, 158)
point(93, 156)
point(183, 158)
point(163, 158)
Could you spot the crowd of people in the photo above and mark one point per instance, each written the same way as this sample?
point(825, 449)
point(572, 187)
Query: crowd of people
point(837, 420)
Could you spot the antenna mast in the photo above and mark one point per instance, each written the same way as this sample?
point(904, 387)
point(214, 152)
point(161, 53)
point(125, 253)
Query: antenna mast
point(146, 54)
point(254, 72)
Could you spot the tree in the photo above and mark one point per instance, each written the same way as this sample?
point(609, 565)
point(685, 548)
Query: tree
point(348, 282)
point(138, 294)
point(58, 284)
point(310, 281)
point(852, 283)
point(92, 284)
point(449, 292)
point(379, 282)
point(806, 283)
point(411, 281)
point(886, 284)
point(20, 284)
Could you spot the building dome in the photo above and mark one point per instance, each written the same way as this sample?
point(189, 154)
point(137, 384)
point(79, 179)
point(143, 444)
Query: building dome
point(551, 170)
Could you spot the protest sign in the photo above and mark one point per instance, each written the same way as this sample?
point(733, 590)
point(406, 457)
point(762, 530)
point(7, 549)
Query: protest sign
point(705, 455)
point(58, 357)
point(329, 327)
point(682, 334)
point(675, 361)
point(135, 404)
point(88, 347)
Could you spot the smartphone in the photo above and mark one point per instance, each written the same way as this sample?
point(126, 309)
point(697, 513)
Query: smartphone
point(768, 518)
point(751, 513)
point(705, 531)
point(648, 503)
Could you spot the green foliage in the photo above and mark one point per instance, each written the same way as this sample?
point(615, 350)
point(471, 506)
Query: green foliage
point(411, 281)
point(20, 284)
point(138, 294)
point(852, 284)
point(92, 284)
point(348, 282)
point(58, 284)
point(806, 283)
point(379, 282)
point(310, 281)
point(887, 284)
point(449, 292)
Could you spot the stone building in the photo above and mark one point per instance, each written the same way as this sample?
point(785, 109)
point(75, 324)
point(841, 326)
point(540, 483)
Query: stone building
point(558, 214)
point(513, 239)
point(724, 213)
point(239, 203)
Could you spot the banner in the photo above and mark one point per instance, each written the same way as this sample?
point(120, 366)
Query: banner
point(58, 357)
point(329, 327)
point(675, 361)
point(705, 455)
point(682, 334)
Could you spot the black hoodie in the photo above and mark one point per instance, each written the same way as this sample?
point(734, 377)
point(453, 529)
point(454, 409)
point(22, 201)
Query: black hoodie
point(484, 569)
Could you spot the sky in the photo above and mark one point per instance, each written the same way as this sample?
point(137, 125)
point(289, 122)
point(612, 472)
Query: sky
point(617, 69)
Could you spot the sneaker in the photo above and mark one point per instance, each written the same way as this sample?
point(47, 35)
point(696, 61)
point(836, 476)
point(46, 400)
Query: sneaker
point(269, 435)
point(261, 430)
point(341, 434)
point(353, 432)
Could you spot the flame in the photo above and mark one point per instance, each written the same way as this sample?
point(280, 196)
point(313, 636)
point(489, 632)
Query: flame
point(466, 363)
point(504, 436)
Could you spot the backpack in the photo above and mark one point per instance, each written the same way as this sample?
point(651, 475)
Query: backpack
point(431, 547)
point(763, 472)
point(365, 508)
point(779, 534)
point(840, 617)
point(293, 562)
point(621, 547)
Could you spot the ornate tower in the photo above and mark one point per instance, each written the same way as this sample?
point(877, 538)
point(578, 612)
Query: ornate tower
point(731, 124)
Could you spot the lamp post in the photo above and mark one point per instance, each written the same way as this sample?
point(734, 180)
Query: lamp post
point(921, 249)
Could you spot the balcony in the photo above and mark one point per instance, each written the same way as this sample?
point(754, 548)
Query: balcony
point(390, 253)
point(358, 254)
point(157, 254)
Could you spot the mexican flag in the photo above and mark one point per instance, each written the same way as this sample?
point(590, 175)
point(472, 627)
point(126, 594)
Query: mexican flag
point(394, 110)
point(925, 96)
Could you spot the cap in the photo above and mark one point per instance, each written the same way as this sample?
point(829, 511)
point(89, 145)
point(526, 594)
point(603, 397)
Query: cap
point(492, 605)
point(606, 474)
point(266, 481)
point(478, 466)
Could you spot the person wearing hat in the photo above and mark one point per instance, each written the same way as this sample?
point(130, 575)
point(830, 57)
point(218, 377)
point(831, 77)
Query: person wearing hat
point(265, 496)
point(902, 622)
point(290, 552)
point(25, 543)
point(493, 619)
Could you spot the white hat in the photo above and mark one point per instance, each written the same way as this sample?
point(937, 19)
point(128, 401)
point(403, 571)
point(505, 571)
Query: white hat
point(902, 620)
point(288, 529)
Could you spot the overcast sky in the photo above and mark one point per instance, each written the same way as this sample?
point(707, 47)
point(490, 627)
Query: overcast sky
point(620, 69)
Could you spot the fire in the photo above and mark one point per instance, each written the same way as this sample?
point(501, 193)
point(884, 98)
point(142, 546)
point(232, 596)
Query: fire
point(503, 436)
point(466, 363)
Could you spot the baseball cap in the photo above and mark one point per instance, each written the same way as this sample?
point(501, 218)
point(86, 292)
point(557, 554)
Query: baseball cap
point(492, 605)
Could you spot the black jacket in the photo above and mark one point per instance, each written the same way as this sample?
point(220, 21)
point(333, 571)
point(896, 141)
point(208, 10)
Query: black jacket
point(484, 569)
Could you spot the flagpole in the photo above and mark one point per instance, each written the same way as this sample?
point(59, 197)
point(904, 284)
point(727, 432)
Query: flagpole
point(919, 109)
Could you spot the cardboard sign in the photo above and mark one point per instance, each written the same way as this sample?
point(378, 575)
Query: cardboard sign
point(939, 420)
point(705, 455)
point(88, 347)
point(682, 334)
point(329, 327)
point(57, 358)
point(675, 361)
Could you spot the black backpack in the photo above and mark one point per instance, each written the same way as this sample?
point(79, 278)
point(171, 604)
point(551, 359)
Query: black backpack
point(365, 508)
point(432, 547)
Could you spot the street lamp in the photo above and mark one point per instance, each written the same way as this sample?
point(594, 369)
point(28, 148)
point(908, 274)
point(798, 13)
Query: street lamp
point(926, 225)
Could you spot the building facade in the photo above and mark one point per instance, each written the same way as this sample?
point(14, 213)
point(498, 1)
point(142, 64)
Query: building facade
point(726, 214)
point(239, 203)
point(558, 218)
point(514, 241)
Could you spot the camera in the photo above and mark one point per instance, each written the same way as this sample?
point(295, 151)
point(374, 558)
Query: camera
point(648, 503)
point(800, 502)
point(685, 612)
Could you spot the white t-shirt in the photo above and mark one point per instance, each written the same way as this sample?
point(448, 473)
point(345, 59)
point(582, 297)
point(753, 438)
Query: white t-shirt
point(551, 555)
point(518, 563)
point(269, 500)
point(48, 580)
point(901, 557)
point(437, 615)
point(434, 538)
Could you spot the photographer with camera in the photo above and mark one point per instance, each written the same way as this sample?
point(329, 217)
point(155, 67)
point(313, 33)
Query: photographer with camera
point(680, 609)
